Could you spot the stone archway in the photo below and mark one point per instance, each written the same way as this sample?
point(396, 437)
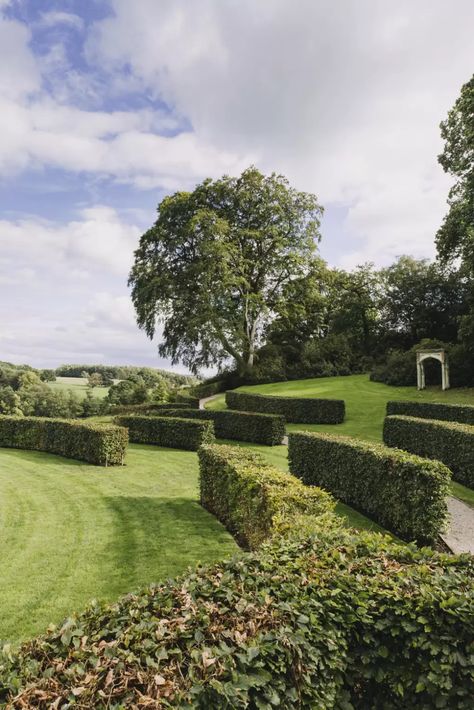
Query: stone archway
point(442, 357)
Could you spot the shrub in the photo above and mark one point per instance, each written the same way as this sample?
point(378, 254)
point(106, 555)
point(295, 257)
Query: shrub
point(100, 444)
point(399, 370)
point(336, 620)
point(189, 400)
point(167, 431)
point(147, 407)
point(255, 500)
point(404, 493)
point(463, 413)
point(266, 429)
point(294, 409)
point(449, 442)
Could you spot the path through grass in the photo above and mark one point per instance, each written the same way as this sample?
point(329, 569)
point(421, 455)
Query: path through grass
point(70, 532)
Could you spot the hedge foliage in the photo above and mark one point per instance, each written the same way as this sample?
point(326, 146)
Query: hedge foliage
point(404, 493)
point(462, 413)
point(294, 409)
point(188, 399)
point(147, 407)
point(449, 442)
point(266, 429)
point(101, 444)
point(255, 500)
point(333, 621)
point(174, 432)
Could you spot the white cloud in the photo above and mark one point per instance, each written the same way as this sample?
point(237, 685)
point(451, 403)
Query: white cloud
point(54, 18)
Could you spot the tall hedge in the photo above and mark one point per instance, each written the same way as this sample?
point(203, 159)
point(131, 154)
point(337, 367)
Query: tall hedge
point(255, 500)
point(100, 444)
point(336, 621)
point(147, 407)
point(449, 442)
point(462, 413)
point(266, 429)
point(174, 432)
point(294, 409)
point(188, 399)
point(404, 493)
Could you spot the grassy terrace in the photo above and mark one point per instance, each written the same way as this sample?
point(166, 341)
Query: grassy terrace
point(70, 532)
point(78, 385)
point(365, 407)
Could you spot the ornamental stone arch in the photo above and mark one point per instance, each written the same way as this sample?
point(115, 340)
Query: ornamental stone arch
point(442, 357)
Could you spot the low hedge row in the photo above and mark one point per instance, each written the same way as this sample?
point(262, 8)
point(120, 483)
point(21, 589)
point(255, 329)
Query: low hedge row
point(338, 620)
point(174, 432)
point(187, 399)
point(404, 493)
point(462, 413)
point(100, 444)
point(449, 442)
point(147, 407)
point(294, 409)
point(255, 500)
point(268, 429)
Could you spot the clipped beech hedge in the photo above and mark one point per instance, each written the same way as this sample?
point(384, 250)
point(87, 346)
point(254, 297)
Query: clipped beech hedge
point(255, 500)
point(147, 407)
point(295, 409)
point(100, 444)
point(266, 429)
point(462, 413)
point(187, 399)
point(174, 432)
point(333, 621)
point(449, 442)
point(404, 493)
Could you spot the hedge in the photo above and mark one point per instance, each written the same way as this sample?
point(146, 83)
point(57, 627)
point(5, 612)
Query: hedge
point(462, 413)
point(147, 407)
point(255, 500)
point(174, 432)
point(266, 429)
point(338, 620)
point(449, 442)
point(188, 399)
point(294, 409)
point(404, 493)
point(100, 444)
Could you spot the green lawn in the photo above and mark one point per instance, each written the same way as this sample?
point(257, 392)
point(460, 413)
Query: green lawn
point(70, 532)
point(78, 385)
point(365, 406)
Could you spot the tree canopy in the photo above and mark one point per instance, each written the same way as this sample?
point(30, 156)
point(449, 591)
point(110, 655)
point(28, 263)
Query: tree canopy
point(214, 268)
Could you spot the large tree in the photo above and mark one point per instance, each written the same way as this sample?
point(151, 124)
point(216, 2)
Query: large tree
point(456, 235)
point(213, 269)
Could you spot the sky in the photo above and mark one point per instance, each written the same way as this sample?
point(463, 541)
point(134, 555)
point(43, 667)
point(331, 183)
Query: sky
point(106, 106)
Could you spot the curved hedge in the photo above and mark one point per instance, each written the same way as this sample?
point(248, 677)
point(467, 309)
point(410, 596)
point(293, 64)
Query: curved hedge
point(295, 409)
point(268, 429)
point(449, 442)
point(404, 493)
point(100, 444)
point(337, 620)
point(462, 413)
point(255, 500)
point(174, 432)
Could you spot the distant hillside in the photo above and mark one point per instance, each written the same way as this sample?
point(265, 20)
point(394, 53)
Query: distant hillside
point(123, 372)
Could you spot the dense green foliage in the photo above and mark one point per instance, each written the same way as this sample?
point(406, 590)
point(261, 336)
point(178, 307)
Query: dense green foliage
point(255, 500)
point(214, 266)
point(167, 431)
point(337, 620)
point(299, 410)
point(147, 407)
point(190, 400)
point(449, 442)
point(124, 372)
point(404, 493)
point(462, 413)
point(266, 429)
point(100, 444)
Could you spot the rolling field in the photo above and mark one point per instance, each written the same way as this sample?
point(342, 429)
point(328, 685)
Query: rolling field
point(70, 532)
point(365, 406)
point(78, 385)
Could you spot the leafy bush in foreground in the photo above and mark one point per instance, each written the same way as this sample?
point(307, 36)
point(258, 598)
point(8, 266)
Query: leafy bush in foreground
point(449, 442)
point(167, 431)
point(462, 413)
point(255, 500)
point(294, 409)
point(100, 444)
point(334, 621)
point(404, 493)
point(266, 429)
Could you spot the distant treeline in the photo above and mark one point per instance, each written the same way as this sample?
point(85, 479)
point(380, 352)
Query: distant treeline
point(122, 372)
